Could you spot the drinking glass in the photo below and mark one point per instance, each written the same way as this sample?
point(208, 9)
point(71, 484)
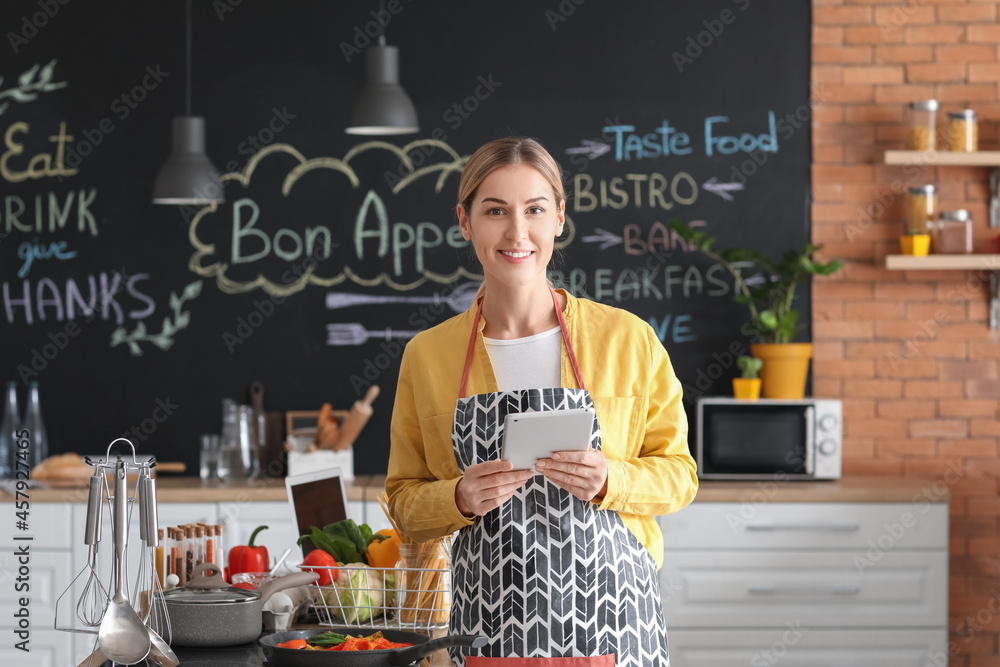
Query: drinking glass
point(209, 456)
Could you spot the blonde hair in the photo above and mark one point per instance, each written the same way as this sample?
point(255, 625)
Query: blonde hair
point(504, 153)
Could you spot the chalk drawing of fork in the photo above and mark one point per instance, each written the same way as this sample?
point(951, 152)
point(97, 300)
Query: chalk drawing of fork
point(353, 333)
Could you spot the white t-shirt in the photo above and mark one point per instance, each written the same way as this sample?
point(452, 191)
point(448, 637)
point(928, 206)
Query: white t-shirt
point(533, 362)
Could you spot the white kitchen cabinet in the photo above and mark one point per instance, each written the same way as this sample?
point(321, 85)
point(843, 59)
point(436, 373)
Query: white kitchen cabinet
point(48, 577)
point(738, 577)
point(803, 646)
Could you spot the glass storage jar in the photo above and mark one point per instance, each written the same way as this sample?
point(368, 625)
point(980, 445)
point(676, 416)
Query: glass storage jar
point(922, 209)
point(423, 584)
point(922, 136)
point(963, 131)
point(953, 234)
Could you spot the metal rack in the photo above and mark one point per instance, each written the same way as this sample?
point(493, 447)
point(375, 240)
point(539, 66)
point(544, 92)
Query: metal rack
point(400, 598)
point(90, 606)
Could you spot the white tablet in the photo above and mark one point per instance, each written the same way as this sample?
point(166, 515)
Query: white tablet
point(317, 498)
point(529, 436)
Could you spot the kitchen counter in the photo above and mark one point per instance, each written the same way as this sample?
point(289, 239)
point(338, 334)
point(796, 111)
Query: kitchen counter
point(171, 489)
point(845, 490)
point(367, 488)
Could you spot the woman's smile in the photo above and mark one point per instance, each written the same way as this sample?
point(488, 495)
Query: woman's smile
point(515, 255)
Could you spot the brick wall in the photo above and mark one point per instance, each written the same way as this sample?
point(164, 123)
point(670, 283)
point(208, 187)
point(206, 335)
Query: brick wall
point(910, 352)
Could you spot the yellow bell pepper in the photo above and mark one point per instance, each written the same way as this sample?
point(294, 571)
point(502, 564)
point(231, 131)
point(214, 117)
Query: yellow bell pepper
point(384, 553)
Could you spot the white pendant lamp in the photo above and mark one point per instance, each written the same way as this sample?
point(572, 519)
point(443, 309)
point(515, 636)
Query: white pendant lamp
point(188, 176)
point(382, 107)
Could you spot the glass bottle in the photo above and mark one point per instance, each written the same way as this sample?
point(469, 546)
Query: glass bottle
point(963, 131)
point(922, 135)
point(230, 464)
point(35, 426)
point(9, 425)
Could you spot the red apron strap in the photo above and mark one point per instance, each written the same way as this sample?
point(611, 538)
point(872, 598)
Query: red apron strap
point(569, 345)
point(472, 347)
point(562, 327)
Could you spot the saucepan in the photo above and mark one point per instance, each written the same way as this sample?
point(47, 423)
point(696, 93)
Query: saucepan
point(210, 612)
point(392, 657)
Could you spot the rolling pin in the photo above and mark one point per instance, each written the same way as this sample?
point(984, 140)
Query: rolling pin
point(355, 420)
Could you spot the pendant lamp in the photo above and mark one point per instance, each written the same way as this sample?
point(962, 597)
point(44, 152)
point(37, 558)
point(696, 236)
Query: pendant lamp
point(383, 107)
point(188, 176)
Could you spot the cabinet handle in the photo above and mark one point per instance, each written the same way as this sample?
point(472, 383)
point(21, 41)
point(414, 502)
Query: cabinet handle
point(841, 589)
point(828, 527)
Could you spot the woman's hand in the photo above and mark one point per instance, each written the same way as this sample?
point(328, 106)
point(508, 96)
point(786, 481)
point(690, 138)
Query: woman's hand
point(584, 474)
point(486, 486)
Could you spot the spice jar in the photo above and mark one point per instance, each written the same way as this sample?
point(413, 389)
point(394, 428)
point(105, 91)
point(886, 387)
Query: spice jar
point(953, 234)
point(922, 126)
point(922, 209)
point(963, 131)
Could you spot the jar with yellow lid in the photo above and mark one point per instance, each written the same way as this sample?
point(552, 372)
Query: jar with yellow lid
point(922, 135)
point(963, 131)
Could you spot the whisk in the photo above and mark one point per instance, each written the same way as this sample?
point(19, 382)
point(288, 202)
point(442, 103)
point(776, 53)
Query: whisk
point(155, 616)
point(94, 598)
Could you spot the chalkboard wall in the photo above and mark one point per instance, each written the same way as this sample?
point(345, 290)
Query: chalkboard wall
point(137, 319)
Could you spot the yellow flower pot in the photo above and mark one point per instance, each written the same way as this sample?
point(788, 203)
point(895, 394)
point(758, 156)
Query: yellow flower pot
point(917, 244)
point(746, 389)
point(785, 368)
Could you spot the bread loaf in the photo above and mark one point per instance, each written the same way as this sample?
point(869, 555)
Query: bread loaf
point(62, 467)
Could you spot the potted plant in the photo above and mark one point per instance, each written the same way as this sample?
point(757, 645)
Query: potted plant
point(915, 242)
point(773, 321)
point(747, 387)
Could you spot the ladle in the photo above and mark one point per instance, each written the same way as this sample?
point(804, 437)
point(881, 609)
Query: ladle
point(122, 637)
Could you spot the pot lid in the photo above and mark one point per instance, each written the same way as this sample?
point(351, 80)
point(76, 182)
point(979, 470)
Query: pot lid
point(208, 587)
point(227, 595)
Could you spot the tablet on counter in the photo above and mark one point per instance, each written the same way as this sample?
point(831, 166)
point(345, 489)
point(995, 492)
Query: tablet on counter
point(317, 498)
point(529, 436)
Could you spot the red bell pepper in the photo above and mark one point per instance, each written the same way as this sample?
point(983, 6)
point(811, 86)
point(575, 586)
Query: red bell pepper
point(248, 558)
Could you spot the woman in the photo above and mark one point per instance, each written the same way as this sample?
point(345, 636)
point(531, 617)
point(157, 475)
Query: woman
point(561, 563)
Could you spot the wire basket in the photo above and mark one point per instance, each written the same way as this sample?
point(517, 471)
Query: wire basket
point(400, 598)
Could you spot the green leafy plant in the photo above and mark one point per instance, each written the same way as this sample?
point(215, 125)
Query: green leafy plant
point(749, 366)
point(772, 317)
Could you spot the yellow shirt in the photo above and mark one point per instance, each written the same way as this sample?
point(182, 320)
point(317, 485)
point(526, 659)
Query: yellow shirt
point(636, 395)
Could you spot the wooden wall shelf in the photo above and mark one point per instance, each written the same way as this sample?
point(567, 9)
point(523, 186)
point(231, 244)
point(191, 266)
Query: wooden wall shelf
point(944, 158)
point(942, 262)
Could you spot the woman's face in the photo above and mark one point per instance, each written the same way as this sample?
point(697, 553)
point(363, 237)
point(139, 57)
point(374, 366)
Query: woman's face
point(513, 223)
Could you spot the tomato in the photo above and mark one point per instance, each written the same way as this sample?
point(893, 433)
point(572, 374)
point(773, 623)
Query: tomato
point(324, 564)
point(245, 585)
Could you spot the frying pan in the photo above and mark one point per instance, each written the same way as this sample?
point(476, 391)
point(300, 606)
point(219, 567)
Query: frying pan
point(393, 657)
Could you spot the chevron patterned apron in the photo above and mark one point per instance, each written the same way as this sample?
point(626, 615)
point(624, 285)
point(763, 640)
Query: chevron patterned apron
point(550, 579)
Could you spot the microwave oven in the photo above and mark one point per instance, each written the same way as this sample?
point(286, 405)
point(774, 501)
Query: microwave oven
point(769, 438)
